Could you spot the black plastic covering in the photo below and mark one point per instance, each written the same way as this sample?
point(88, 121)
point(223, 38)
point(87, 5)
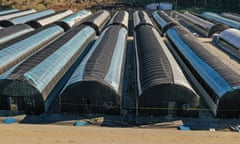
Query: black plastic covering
point(202, 26)
point(215, 75)
point(25, 82)
point(159, 87)
point(163, 21)
point(95, 86)
point(141, 18)
point(120, 18)
point(98, 20)
point(12, 32)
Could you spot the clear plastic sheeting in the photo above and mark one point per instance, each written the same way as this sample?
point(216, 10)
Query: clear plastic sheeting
point(219, 19)
point(43, 73)
point(7, 73)
point(74, 19)
point(39, 22)
point(159, 20)
point(232, 37)
point(4, 12)
point(40, 77)
point(220, 81)
point(17, 14)
point(114, 70)
point(113, 76)
point(178, 76)
point(232, 16)
point(214, 80)
point(12, 32)
point(15, 53)
point(25, 18)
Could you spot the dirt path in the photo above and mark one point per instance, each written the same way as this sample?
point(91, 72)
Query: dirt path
point(50, 134)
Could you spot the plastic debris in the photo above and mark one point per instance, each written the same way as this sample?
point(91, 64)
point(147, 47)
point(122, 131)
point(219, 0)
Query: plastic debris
point(9, 120)
point(80, 123)
point(235, 128)
point(186, 128)
point(212, 129)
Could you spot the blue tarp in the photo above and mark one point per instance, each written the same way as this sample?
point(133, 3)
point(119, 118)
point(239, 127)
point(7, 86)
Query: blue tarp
point(184, 128)
point(9, 120)
point(80, 123)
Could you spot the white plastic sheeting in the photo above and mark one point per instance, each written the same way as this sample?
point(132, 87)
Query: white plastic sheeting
point(113, 76)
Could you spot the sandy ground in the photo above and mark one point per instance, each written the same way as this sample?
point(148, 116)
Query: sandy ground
point(50, 134)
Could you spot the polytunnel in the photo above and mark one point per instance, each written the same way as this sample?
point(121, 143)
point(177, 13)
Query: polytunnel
point(25, 18)
point(16, 50)
point(96, 84)
point(219, 19)
point(7, 11)
point(204, 27)
point(163, 88)
point(31, 86)
point(221, 81)
point(13, 32)
point(74, 19)
point(228, 40)
point(98, 20)
point(17, 14)
point(43, 21)
point(163, 21)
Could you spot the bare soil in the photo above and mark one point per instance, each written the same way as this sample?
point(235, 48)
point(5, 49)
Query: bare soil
point(50, 134)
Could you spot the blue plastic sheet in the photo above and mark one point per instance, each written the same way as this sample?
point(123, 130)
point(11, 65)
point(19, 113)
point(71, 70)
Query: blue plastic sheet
point(9, 120)
point(80, 123)
point(186, 128)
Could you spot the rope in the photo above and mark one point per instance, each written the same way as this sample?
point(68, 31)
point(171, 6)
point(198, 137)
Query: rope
point(147, 108)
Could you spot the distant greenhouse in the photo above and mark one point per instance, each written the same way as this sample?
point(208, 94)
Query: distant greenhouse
point(43, 21)
point(219, 19)
point(74, 19)
point(17, 14)
point(204, 27)
point(25, 18)
point(4, 12)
